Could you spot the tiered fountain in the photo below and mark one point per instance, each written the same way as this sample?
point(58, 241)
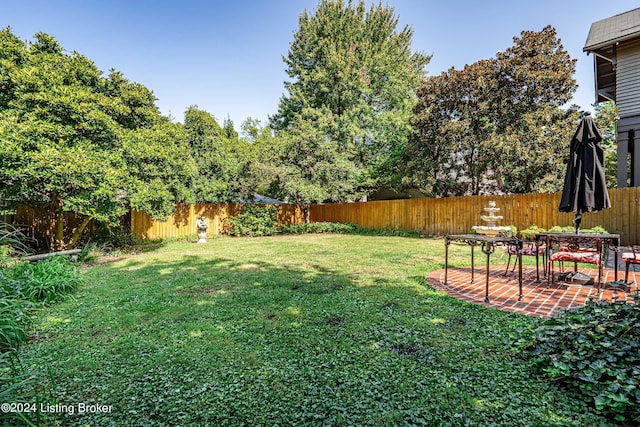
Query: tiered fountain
point(491, 229)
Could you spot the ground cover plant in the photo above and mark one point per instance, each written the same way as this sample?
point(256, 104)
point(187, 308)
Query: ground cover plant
point(311, 329)
point(595, 352)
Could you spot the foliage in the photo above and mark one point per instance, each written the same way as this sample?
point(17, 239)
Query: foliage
point(513, 230)
point(353, 79)
point(318, 227)
point(262, 154)
point(255, 220)
point(14, 378)
point(386, 232)
point(596, 229)
point(312, 329)
point(606, 118)
point(13, 316)
point(595, 351)
point(159, 167)
point(497, 124)
point(23, 285)
point(12, 244)
point(45, 281)
point(111, 236)
point(530, 232)
point(219, 155)
point(562, 229)
point(314, 168)
point(532, 153)
point(572, 229)
point(75, 141)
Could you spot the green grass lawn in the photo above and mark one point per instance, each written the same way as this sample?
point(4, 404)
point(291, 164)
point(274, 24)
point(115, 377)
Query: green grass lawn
point(288, 330)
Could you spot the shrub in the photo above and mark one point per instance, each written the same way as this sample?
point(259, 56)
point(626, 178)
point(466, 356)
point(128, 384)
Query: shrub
point(572, 229)
point(559, 229)
point(346, 228)
point(386, 232)
point(111, 236)
point(318, 227)
point(530, 232)
point(512, 230)
point(255, 220)
point(595, 352)
point(45, 281)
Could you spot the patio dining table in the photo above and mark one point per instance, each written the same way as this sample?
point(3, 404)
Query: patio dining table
point(488, 245)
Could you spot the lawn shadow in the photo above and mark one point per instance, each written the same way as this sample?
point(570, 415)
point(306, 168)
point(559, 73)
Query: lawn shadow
point(205, 275)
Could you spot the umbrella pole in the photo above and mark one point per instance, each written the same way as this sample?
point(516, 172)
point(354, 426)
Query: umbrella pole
point(578, 219)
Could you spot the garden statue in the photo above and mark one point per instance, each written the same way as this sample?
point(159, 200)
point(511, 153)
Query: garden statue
point(202, 226)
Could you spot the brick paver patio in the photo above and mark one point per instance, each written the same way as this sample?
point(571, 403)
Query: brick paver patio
point(538, 300)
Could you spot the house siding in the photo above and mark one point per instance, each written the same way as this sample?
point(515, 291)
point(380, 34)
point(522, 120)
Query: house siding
point(628, 80)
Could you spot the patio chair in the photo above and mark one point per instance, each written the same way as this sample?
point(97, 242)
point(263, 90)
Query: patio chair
point(528, 249)
point(629, 258)
point(576, 255)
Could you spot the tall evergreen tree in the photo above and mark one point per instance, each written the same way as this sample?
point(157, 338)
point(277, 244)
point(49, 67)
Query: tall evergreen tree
point(351, 66)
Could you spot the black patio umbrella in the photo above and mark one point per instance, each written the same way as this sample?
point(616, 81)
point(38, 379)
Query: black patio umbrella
point(585, 188)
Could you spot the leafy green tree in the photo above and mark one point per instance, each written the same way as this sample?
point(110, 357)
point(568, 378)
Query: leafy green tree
point(262, 152)
point(535, 73)
point(160, 169)
point(220, 155)
point(72, 140)
point(350, 65)
point(311, 166)
point(497, 125)
point(606, 118)
point(451, 152)
point(534, 151)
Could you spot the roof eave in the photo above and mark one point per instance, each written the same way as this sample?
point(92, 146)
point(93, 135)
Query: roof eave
point(611, 42)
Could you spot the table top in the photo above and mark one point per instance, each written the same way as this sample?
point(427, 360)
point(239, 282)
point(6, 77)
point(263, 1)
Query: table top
point(587, 235)
point(579, 236)
point(610, 240)
point(481, 238)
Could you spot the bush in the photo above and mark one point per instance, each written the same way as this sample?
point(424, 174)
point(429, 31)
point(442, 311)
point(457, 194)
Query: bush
point(572, 229)
point(318, 227)
point(530, 232)
point(595, 352)
point(386, 232)
point(45, 281)
point(111, 237)
point(255, 220)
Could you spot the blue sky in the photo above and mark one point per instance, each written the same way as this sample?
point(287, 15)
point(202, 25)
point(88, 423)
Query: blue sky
point(226, 56)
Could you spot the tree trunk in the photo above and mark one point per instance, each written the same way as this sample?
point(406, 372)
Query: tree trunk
point(58, 217)
point(306, 210)
point(78, 232)
point(59, 232)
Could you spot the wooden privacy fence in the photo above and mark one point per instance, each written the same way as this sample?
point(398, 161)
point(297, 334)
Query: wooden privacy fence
point(458, 214)
point(429, 216)
point(183, 221)
point(38, 225)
